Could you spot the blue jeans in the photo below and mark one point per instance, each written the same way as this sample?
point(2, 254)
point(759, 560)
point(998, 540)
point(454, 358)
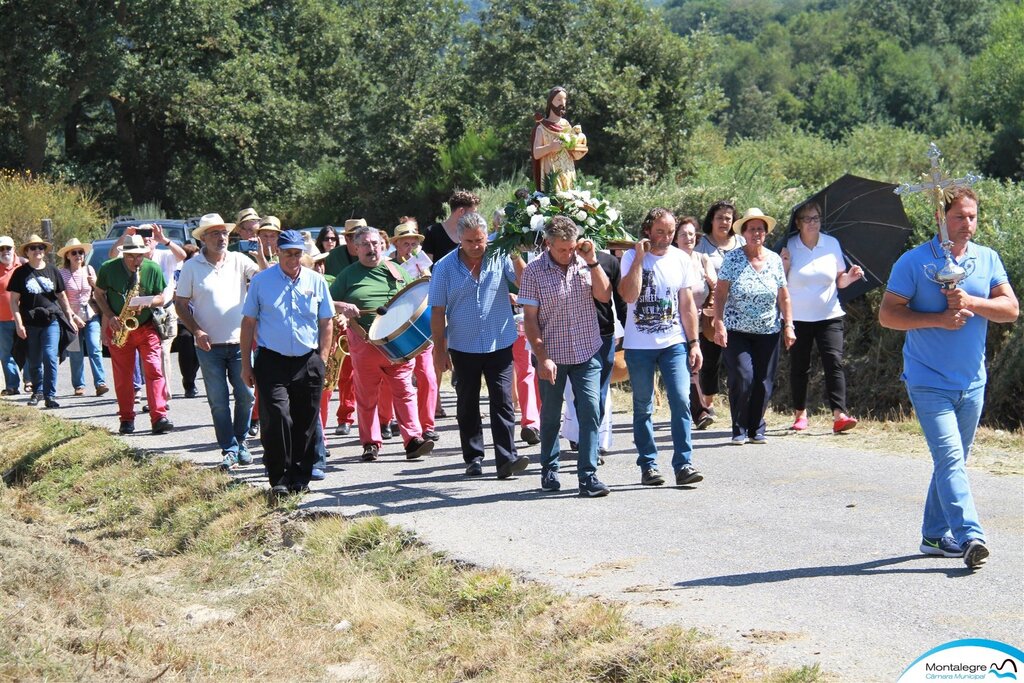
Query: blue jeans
point(585, 379)
point(7, 332)
point(41, 365)
point(88, 345)
point(675, 371)
point(220, 365)
point(949, 419)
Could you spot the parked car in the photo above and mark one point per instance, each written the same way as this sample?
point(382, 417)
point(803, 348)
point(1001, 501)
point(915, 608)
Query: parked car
point(178, 230)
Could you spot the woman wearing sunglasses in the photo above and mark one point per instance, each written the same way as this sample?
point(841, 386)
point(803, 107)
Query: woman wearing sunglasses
point(37, 297)
point(79, 278)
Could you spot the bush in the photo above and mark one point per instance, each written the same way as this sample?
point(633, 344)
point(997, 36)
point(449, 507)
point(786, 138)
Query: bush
point(25, 200)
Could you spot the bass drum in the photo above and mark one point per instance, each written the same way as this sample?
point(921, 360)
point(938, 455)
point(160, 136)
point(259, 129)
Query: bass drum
point(402, 332)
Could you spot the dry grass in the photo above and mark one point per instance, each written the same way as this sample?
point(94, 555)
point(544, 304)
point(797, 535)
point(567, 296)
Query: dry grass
point(116, 566)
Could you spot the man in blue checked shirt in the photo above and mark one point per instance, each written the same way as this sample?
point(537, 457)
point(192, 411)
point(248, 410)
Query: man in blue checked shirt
point(289, 312)
point(473, 331)
point(557, 295)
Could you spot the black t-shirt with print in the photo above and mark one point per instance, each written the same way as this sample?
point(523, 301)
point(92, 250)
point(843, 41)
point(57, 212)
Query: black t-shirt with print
point(38, 290)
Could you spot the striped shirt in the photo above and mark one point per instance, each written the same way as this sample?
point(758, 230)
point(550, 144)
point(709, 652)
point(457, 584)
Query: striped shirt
point(565, 308)
point(478, 311)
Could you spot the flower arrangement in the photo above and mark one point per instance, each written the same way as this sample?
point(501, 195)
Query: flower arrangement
point(525, 219)
point(573, 138)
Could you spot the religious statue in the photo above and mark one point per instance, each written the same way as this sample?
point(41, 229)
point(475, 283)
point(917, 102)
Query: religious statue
point(557, 145)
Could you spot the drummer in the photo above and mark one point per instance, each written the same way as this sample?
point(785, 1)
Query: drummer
point(357, 291)
point(409, 255)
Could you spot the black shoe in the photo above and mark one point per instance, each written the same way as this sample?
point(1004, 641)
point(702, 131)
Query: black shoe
point(127, 427)
point(371, 452)
point(475, 468)
point(432, 435)
point(573, 446)
point(10, 392)
point(704, 421)
point(162, 426)
point(344, 429)
point(440, 413)
point(651, 477)
point(592, 487)
point(385, 431)
point(688, 475)
point(298, 488)
point(279, 490)
point(530, 435)
point(145, 408)
point(191, 393)
point(254, 428)
point(513, 467)
point(34, 399)
point(52, 403)
point(417, 448)
point(975, 553)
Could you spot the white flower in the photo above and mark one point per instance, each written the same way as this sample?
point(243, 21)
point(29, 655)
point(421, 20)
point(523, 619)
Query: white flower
point(530, 210)
point(613, 215)
point(581, 216)
point(586, 195)
point(579, 203)
point(591, 222)
point(544, 202)
point(537, 223)
point(563, 195)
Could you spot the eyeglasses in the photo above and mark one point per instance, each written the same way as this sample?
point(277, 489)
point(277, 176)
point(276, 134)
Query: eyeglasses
point(810, 219)
point(36, 247)
point(330, 238)
point(77, 252)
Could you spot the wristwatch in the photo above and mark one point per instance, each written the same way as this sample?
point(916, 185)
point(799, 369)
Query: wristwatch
point(593, 265)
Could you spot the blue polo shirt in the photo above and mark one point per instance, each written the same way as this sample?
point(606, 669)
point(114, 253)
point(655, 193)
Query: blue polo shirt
point(479, 313)
point(935, 357)
point(287, 311)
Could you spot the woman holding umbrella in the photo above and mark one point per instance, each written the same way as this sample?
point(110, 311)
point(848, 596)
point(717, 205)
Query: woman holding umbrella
point(816, 271)
point(751, 309)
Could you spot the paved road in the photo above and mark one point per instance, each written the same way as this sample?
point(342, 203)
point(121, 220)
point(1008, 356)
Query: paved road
point(798, 552)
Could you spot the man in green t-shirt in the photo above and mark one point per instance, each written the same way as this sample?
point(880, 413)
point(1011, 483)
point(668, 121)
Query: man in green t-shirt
point(115, 280)
point(344, 255)
point(361, 287)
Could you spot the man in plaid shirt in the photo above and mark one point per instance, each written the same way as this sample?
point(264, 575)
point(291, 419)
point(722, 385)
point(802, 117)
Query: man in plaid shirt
point(557, 293)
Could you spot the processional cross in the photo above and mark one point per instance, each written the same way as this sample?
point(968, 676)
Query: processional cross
point(939, 187)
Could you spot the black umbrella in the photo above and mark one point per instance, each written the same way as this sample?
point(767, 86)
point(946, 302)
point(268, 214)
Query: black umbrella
point(868, 219)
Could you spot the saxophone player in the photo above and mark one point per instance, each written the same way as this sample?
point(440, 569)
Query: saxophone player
point(117, 278)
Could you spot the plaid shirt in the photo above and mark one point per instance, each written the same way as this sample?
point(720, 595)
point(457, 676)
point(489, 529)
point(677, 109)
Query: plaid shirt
point(566, 311)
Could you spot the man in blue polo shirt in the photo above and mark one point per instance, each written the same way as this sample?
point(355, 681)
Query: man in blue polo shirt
point(473, 331)
point(289, 310)
point(944, 367)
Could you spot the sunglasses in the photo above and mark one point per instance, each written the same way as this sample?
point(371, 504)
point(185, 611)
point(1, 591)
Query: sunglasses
point(330, 238)
point(77, 252)
point(36, 247)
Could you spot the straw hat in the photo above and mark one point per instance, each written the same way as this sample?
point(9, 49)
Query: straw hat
point(33, 239)
point(407, 230)
point(270, 223)
point(211, 220)
point(753, 213)
point(134, 244)
point(352, 223)
point(320, 257)
point(73, 243)
point(248, 214)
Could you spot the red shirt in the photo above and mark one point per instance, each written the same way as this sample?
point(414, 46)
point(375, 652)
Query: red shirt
point(6, 315)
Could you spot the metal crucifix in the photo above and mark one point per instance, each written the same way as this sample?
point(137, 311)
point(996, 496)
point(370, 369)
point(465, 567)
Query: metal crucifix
point(939, 187)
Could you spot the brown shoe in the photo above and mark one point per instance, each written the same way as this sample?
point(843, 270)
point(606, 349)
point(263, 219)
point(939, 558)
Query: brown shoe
point(102, 389)
point(79, 391)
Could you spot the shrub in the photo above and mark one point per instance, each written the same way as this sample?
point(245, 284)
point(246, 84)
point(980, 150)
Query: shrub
point(25, 200)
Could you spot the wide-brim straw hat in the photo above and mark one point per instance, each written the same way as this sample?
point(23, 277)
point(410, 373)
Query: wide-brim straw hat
point(752, 214)
point(33, 239)
point(134, 244)
point(352, 223)
point(407, 230)
point(248, 214)
point(209, 221)
point(270, 223)
point(71, 245)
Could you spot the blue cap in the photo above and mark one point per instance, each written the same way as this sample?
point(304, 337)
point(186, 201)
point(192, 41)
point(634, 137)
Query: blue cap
point(290, 239)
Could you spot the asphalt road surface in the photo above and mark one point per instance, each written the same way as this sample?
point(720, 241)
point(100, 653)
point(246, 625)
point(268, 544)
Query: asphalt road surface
point(794, 551)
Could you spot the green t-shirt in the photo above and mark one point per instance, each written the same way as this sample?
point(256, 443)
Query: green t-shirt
point(338, 259)
point(114, 279)
point(367, 288)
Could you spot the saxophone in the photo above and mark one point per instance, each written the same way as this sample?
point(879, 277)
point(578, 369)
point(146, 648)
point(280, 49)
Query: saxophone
point(127, 317)
point(339, 349)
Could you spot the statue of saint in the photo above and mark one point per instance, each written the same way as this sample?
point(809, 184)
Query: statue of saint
point(557, 146)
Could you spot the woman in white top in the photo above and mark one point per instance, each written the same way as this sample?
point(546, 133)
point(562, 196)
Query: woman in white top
point(719, 239)
point(815, 271)
point(686, 239)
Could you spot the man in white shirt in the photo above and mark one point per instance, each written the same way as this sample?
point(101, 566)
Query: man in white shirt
point(660, 333)
point(211, 289)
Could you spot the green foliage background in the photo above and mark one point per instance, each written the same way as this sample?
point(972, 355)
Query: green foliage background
point(319, 110)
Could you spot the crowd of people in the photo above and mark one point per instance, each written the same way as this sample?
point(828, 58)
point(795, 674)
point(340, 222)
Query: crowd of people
point(278, 322)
